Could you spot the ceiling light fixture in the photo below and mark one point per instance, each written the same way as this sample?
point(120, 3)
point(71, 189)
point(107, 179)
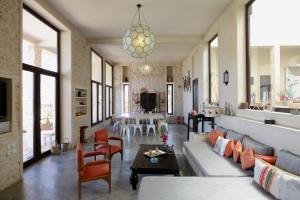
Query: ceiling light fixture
point(138, 40)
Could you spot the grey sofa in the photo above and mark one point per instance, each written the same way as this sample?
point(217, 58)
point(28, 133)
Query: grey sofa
point(206, 162)
point(200, 188)
point(222, 178)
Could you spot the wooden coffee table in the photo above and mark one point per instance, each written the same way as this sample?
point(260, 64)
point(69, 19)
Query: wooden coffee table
point(167, 163)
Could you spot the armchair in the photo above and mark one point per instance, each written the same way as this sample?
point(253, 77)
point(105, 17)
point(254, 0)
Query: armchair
point(101, 139)
point(94, 170)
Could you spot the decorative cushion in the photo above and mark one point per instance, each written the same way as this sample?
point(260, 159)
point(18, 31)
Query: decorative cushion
point(213, 137)
point(281, 184)
point(237, 151)
point(288, 161)
point(247, 159)
point(269, 159)
point(257, 147)
point(221, 145)
point(234, 135)
point(267, 177)
point(229, 149)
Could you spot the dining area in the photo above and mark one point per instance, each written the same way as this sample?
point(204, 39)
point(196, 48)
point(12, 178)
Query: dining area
point(149, 124)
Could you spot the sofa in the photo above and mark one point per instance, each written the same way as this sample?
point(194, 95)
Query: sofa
point(218, 177)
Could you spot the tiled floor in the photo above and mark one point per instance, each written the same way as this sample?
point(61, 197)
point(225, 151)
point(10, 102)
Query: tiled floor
point(55, 177)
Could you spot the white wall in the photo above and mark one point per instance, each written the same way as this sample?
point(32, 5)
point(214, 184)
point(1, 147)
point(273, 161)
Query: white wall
point(230, 29)
point(154, 82)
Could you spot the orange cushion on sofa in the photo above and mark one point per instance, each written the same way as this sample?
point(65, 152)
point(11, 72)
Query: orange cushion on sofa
point(229, 149)
point(237, 151)
point(247, 159)
point(210, 135)
point(213, 137)
point(269, 159)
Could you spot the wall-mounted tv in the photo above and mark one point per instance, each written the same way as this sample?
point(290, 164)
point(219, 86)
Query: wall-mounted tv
point(3, 99)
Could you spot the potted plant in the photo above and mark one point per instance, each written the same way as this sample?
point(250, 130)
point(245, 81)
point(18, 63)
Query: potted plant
point(164, 135)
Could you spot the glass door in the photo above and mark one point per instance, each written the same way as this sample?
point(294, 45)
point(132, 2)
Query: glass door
point(28, 115)
point(48, 112)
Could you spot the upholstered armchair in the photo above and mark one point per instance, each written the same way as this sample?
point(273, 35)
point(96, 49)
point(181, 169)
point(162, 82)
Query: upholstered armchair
point(101, 138)
point(93, 170)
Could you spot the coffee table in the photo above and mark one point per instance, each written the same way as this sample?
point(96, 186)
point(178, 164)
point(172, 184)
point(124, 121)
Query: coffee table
point(167, 163)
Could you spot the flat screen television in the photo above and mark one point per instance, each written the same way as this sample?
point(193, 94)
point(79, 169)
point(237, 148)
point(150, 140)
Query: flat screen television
point(3, 99)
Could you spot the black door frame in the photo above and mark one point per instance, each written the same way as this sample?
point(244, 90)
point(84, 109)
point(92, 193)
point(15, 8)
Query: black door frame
point(37, 72)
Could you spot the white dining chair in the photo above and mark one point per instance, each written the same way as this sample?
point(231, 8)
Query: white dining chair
point(124, 127)
point(138, 126)
point(164, 123)
point(151, 125)
point(116, 122)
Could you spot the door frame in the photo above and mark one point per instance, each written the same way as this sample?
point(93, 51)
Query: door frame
point(37, 72)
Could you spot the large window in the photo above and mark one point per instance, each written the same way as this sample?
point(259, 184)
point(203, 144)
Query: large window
point(40, 83)
point(213, 70)
point(273, 55)
point(126, 104)
point(108, 90)
point(97, 114)
point(170, 99)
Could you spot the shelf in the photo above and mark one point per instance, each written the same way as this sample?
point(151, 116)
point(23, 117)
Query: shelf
point(80, 115)
point(81, 97)
point(81, 105)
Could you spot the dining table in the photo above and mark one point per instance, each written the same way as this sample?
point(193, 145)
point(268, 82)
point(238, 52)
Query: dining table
point(135, 115)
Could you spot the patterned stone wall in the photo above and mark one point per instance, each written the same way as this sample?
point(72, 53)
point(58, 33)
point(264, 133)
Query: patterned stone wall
point(154, 82)
point(10, 67)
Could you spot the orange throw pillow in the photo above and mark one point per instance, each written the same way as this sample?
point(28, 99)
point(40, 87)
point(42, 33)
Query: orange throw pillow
point(269, 159)
point(237, 151)
point(247, 159)
point(210, 135)
point(229, 149)
point(214, 137)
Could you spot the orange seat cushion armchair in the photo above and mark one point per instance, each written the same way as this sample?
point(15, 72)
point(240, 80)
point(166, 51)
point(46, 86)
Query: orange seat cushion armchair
point(94, 170)
point(101, 138)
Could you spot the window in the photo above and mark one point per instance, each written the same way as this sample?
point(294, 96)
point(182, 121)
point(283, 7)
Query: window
point(126, 106)
point(108, 90)
point(39, 42)
point(273, 55)
point(213, 70)
point(97, 114)
point(170, 99)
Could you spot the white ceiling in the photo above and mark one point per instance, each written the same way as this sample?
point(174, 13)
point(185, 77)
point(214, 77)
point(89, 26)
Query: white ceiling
point(98, 19)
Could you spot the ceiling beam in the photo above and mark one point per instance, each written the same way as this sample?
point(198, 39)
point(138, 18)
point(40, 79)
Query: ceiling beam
point(158, 40)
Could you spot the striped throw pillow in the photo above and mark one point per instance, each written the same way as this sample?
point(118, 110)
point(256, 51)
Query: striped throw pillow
point(281, 184)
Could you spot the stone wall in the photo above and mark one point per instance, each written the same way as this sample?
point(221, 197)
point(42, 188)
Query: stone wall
point(10, 67)
point(153, 82)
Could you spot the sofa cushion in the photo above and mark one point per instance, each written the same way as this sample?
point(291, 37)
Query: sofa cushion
point(234, 135)
point(288, 161)
point(213, 137)
point(221, 145)
point(269, 159)
point(281, 184)
point(237, 151)
point(257, 147)
point(209, 163)
point(247, 159)
point(200, 188)
point(229, 149)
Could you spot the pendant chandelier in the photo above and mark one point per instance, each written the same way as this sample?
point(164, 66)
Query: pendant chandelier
point(138, 40)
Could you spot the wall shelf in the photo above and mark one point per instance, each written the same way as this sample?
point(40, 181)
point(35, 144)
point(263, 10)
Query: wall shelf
point(81, 102)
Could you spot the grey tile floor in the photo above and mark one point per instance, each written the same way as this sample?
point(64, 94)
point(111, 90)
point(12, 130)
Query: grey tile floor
point(55, 177)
